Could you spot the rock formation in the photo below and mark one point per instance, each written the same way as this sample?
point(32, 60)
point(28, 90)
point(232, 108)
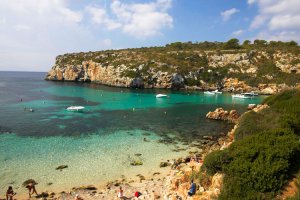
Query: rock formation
point(221, 114)
point(226, 70)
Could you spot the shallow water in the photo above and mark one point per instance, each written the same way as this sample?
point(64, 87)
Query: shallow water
point(99, 143)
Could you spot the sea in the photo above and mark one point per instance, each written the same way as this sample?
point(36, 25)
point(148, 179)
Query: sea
point(118, 126)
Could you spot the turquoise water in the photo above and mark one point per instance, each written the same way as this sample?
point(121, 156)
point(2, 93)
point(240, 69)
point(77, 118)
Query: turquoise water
point(99, 143)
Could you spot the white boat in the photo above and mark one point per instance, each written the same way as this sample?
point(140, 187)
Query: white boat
point(241, 96)
point(161, 95)
point(209, 93)
point(75, 108)
point(250, 93)
point(217, 92)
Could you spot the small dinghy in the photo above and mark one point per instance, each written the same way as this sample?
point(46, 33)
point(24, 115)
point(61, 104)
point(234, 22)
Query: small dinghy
point(161, 95)
point(75, 108)
point(209, 93)
point(241, 96)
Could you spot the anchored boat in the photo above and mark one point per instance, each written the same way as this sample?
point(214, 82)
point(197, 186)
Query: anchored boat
point(161, 95)
point(75, 108)
point(241, 96)
point(209, 93)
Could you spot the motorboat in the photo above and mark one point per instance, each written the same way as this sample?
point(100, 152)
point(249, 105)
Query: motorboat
point(241, 96)
point(161, 96)
point(250, 93)
point(75, 108)
point(217, 92)
point(209, 93)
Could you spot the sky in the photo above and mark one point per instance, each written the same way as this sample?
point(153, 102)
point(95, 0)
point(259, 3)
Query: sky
point(34, 32)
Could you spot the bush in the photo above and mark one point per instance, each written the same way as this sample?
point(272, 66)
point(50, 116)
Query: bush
point(266, 151)
point(215, 161)
point(260, 164)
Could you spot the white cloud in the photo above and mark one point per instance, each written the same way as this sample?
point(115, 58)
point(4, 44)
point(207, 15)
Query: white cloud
point(136, 19)
point(227, 14)
point(70, 15)
point(285, 22)
point(22, 27)
point(34, 32)
point(238, 32)
point(99, 16)
point(277, 19)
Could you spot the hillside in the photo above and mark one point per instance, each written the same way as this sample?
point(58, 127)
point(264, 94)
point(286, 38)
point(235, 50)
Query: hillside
point(265, 154)
point(265, 67)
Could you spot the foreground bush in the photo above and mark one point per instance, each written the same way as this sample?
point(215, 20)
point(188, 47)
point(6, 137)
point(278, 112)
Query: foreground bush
point(260, 163)
point(266, 151)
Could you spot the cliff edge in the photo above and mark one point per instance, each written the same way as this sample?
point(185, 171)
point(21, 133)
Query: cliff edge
point(238, 70)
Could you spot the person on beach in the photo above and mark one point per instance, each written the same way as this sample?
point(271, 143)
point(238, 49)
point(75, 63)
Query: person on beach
point(121, 193)
point(10, 193)
point(31, 189)
point(192, 190)
point(137, 194)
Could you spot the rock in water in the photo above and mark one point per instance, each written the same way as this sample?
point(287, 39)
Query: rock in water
point(61, 167)
point(221, 114)
point(251, 106)
point(136, 163)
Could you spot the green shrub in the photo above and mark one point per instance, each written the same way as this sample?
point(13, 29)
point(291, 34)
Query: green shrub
point(266, 151)
point(260, 163)
point(215, 161)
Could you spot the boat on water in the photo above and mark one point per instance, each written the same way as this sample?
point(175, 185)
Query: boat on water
point(75, 108)
point(209, 93)
point(161, 95)
point(241, 96)
point(250, 93)
point(217, 92)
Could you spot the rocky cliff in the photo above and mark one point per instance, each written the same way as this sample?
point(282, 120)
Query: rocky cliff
point(238, 70)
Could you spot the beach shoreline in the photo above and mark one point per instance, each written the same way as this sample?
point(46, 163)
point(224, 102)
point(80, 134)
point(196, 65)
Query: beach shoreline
point(158, 184)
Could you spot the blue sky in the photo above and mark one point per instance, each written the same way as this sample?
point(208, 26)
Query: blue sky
point(34, 32)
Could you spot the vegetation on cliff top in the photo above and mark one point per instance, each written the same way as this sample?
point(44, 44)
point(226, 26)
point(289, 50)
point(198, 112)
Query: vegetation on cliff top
point(266, 151)
point(192, 61)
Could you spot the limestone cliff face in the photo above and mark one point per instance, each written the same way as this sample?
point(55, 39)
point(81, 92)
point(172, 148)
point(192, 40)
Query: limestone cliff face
point(177, 69)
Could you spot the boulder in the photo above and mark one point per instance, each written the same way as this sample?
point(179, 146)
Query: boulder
point(42, 195)
point(251, 106)
point(260, 107)
point(136, 162)
point(221, 114)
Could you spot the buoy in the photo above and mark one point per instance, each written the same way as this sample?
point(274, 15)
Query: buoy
point(133, 109)
point(165, 112)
